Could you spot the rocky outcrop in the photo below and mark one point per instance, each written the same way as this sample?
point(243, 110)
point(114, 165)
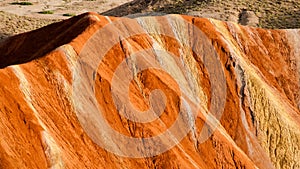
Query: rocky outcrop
point(248, 18)
point(81, 93)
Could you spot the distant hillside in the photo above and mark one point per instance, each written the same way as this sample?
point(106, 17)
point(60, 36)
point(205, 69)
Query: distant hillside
point(271, 13)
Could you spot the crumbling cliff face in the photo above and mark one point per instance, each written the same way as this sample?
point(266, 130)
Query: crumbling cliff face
point(152, 92)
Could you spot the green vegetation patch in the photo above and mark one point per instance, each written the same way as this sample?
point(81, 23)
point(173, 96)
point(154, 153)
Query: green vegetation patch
point(21, 3)
point(69, 14)
point(46, 12)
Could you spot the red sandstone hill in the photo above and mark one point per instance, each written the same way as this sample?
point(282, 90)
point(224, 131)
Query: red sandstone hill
point(81, 94)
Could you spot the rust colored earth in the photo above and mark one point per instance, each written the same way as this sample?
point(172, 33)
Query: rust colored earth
point(219, 95)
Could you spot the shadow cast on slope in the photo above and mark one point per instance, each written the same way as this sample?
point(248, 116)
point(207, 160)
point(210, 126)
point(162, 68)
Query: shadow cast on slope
point(31, 45)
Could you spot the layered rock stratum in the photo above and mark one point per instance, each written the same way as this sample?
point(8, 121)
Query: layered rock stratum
point(227, 95)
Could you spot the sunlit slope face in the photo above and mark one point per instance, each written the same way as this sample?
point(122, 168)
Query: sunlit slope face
point(154, 92)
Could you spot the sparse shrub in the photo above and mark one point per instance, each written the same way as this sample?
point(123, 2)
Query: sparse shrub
point(46, 12)
point(21, 3)
point(69, 14)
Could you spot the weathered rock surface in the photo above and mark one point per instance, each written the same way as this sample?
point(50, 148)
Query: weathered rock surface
point(248, 18)
point(248, 78)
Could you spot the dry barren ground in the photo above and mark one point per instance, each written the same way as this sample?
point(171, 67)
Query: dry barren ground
point(11, 24)
point(20, 16)
point(57, 8)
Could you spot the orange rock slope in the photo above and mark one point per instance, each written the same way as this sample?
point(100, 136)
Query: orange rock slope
point(153, 92)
